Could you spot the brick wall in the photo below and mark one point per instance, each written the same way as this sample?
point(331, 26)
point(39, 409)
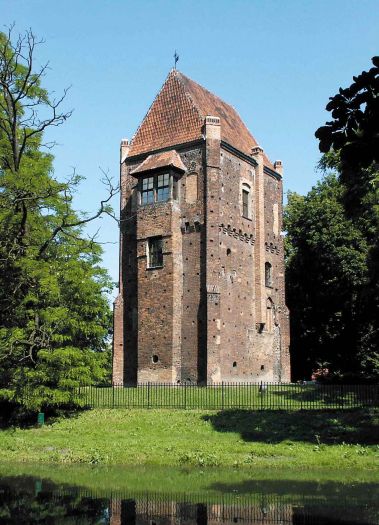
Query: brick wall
point(207, 314)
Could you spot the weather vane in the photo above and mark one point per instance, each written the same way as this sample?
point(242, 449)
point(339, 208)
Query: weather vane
point(176, 58)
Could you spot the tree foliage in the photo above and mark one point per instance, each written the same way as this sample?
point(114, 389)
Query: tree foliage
point(354, 130)
point(54, 313)
point(326, 269)
point(333, 241)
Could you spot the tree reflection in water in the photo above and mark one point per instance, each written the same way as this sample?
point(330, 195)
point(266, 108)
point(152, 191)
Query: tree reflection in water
point(27, 500)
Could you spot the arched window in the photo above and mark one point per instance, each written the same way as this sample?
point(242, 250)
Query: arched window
point(246, 201)
point(268, 275)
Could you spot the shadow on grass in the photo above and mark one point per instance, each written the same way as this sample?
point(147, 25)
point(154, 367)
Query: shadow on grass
point(359, 426)
point(12, 415)
point(322, 395)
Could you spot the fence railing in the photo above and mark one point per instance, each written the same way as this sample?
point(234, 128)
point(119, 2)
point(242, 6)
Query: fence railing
point(226, 395)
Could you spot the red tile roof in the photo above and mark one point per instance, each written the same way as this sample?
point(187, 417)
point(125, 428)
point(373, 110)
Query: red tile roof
point(160, 160)
point(177, 116)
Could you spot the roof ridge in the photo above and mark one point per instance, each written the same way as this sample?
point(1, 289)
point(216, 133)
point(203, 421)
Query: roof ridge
point(222, 102)
point(178, 75)
point(151, 105)
point(205, 89)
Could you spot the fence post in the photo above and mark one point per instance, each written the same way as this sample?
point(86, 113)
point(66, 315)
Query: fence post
point(185, 395)
point(113, 387)
point(261, 390)
point(222, 396)
point(148, 394)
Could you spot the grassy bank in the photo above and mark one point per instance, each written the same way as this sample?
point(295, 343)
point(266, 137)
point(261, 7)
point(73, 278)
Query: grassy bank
point(244, 439)
point(205, 485)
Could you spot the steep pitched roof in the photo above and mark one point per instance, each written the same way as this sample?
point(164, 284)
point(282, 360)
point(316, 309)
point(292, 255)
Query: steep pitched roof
point(177, 116)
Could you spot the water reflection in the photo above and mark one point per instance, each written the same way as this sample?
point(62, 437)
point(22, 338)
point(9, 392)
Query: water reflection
point(28, 500)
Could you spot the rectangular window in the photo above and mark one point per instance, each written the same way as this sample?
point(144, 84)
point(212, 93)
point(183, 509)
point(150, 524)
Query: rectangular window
point(245, 203)
point(163, 187)
point(147, 193)
point(155, 252)
point(268, 275)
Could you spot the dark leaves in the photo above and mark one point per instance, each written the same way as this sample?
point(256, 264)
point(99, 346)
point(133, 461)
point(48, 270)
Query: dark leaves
point(355, 111)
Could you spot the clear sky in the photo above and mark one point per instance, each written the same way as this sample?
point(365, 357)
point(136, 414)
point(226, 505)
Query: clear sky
point(275, 61)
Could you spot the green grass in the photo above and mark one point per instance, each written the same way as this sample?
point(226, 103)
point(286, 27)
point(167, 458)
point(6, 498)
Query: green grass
point(232, 395)
point(205, 485)
point(239, 438)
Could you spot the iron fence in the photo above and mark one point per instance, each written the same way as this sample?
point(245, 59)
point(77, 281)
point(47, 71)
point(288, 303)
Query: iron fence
point(227, 395)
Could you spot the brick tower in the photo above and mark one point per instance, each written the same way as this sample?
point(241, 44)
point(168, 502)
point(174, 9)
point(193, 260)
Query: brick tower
point(201, 294)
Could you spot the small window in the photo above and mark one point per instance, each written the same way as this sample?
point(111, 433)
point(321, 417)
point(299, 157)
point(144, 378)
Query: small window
point(155, 358)
point(163, 187)
point(269, 316)
point(246, 201)
point(268, 275)
point(147, 194)
point(155, 252)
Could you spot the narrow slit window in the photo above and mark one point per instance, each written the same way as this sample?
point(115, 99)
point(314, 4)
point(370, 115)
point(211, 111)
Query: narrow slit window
point(163, 187)
point(246, 201)
point(268, 275)
point(155, 252)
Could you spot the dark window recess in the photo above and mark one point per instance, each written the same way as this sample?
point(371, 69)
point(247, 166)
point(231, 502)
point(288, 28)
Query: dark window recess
point(163, 187)
point(155, 358)
point(155, 252)
point(268, 274)
point(245, 203)
point(262, 367)
point(234, 364)
point(157, 189)
point(147, 193)
point(228, 251)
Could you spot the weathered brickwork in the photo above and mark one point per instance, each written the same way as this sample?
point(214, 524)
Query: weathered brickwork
point(207, 312)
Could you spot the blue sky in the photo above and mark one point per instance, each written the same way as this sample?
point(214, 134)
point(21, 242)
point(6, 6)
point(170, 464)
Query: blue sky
point(276, 61)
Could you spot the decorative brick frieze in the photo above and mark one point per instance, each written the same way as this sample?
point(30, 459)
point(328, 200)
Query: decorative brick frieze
point(232, 232)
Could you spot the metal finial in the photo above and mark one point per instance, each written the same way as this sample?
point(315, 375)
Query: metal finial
point(176, 58)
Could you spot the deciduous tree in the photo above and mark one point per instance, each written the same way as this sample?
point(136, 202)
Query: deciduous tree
point(54, 314)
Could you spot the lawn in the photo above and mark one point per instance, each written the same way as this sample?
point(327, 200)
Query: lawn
point(239, 438)
point(258, 396)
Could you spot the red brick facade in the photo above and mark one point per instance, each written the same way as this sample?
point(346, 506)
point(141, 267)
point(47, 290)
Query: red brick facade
point(214, 310)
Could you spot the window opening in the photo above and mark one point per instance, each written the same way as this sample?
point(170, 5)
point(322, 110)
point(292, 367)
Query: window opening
point(155, 358)
point(269, 316)
point(163, 187)
point(155, 252)
point(156, 189)
point(268, 275)
point(246, 206)
point(234, 364)
point(147, 193)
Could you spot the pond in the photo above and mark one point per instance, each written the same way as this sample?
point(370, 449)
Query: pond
point(119, 496)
